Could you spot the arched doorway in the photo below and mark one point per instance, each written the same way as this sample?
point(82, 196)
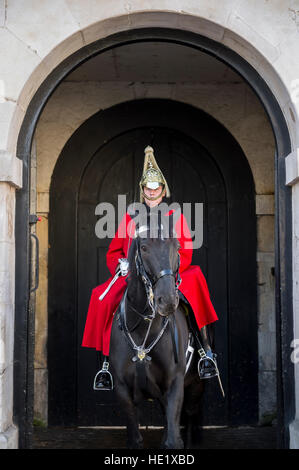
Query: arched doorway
point(103, 159)
point(24, 321)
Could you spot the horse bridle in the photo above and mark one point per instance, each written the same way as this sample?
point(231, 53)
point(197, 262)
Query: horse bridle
point(148, 283)
point(142, 351)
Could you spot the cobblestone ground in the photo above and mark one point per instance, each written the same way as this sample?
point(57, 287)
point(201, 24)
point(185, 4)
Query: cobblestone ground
point(114, 438)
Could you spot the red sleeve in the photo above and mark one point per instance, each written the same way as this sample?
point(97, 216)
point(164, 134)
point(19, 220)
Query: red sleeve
point(185, 240)
point(116, 247)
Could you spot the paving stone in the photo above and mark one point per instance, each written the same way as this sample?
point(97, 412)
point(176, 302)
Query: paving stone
point(115, 438)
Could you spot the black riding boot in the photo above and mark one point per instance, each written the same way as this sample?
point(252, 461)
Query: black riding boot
point(103, 379)
point(207, 367)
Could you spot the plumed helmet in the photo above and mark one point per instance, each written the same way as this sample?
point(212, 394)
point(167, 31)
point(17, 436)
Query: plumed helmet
point(152, 177)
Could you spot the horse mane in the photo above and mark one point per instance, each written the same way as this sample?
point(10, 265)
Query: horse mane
point(131, 254)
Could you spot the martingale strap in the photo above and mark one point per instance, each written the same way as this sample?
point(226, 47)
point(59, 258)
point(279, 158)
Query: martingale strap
point(142, 351)
point(174, 338)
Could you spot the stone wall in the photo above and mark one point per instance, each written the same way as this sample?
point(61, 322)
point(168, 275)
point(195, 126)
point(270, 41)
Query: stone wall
point(8, 434)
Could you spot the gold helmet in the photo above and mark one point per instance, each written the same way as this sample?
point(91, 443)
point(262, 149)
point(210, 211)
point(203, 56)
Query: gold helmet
point(152, 176)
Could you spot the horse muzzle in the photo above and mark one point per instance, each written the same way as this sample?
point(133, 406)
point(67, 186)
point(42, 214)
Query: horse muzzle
point(165, 306)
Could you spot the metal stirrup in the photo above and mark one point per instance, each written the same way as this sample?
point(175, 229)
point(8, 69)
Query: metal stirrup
point(105, 370)
point(204, 357)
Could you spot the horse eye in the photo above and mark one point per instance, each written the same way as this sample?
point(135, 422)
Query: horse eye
point(143, 248)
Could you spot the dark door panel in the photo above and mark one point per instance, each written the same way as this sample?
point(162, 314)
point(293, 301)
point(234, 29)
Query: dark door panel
point(193, 177)
point(103, 159)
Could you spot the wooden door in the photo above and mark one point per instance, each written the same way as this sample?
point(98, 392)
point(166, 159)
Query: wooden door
point(203, 163)
point(193, 177)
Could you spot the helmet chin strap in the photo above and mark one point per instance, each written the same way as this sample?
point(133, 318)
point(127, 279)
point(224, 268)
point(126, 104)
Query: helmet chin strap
point(152, 198)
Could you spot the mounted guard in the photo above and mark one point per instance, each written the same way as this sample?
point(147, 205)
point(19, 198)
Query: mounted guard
point(193, 291)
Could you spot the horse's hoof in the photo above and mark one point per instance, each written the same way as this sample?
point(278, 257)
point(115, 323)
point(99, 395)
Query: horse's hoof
point(135, 446)
point(179, 444)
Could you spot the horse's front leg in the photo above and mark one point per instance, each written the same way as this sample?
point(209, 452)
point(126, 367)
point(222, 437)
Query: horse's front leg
point(134, 437)
point(173, 407)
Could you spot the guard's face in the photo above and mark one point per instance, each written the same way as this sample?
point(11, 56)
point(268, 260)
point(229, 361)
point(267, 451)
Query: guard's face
point(152, 194)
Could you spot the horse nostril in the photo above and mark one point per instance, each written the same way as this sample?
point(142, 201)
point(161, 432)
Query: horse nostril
point(160, 300)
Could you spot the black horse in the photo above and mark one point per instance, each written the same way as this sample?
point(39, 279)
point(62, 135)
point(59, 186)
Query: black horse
point(149, 339)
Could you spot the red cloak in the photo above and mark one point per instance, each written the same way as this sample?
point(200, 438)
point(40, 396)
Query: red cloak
point(193, 286)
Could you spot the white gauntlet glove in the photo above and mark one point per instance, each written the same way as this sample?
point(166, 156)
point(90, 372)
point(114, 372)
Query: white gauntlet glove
point(123, 266)
point(122, 269)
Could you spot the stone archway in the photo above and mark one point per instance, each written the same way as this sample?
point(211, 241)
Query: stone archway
point(235, 61)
